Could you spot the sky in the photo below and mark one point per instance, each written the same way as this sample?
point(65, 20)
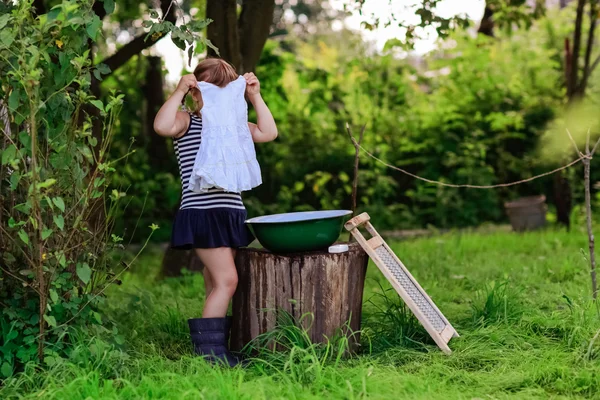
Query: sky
point(175, 60)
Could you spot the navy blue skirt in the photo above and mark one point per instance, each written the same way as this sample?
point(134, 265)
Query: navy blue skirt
point(209, 229)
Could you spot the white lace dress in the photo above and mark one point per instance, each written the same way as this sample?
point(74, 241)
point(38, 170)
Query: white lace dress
point(226, 158)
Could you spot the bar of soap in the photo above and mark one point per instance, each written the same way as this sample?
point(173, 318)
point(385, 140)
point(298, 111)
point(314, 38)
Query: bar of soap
point(338, 248)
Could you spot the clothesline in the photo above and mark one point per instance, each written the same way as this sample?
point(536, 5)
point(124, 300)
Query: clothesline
point(581, 158)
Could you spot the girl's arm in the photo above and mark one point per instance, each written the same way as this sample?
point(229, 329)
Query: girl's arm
point(169, 121)
point(265, 130)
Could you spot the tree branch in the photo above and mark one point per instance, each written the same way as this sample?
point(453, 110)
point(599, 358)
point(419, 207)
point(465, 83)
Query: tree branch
point(594, 64)
point(356, 163)
point(138, 44)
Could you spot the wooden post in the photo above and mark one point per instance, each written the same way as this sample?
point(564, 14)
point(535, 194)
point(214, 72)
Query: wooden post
point(356, 161)
point(587, 157)
point(330, 286)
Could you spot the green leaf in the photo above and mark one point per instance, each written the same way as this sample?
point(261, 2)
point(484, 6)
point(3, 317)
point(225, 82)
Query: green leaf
point(62, 260)
point(109, 6)
point(212, 46)
point(93, 27)
point(25, 139)
point(50, 320)
point(147, 24)
point(53, 295)
point(190, 55)
point(103, 68)
point(6, 370)
point(97, 74)
point(54, 13)
point(98, 317)
point(23, 236)
point(15, 177)
point(179, 43)
point(199, 25)
point(59, 221)
point(13, 99)
point(46, 184)
point(46, 233)
point(9, 258)
point(25, 208)
point(4, 20)
point(9, 154)
point(84, 272)
point(7, 37)
point(98, 104)
point(59, 202)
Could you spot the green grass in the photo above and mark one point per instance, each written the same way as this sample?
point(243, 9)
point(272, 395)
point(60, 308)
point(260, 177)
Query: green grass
point(519, 301)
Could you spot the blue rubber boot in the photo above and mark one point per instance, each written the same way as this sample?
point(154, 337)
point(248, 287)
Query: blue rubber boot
point(209, 337)
point(239, 357)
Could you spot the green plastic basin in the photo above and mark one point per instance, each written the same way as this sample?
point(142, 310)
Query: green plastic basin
point(298, 231)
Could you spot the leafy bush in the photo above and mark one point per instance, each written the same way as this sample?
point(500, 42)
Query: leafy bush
point(475, 117)
point(55, 213)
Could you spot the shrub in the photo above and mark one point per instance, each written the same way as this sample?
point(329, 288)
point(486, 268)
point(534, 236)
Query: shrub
point(55, 209)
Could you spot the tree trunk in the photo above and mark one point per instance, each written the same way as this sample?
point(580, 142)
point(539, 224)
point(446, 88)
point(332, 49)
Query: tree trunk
point(175, 260)
point(562, 199)
point(239, 41)
point(486, 26)
point(587, 69)
point(223, 32)
point(254, 26)
point(157, 146)
point(329, 286)
point(573, 77)
point(575, 89)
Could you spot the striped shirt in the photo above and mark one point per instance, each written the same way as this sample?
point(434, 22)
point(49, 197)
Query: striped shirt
point(186, 148)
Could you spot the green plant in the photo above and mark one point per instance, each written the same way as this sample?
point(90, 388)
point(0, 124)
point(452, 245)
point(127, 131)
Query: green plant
point(496, 303)
point(389, 322)
point(56, 203)
point(288, 350)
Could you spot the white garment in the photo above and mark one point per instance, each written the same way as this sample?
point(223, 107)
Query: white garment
point(226, 158)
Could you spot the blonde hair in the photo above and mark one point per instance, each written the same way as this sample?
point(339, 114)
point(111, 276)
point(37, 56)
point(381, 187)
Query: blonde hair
point(216, 71)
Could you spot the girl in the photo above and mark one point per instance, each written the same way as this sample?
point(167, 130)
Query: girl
point(210, 222)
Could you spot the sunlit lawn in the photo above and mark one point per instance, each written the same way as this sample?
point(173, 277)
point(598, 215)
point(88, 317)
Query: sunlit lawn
point(520, 303)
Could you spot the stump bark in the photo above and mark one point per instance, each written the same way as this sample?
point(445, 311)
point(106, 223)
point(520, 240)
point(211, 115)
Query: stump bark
point(329, 286)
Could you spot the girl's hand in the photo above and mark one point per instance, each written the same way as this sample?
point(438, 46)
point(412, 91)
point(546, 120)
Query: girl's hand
point(186, 83)
point(252, 84)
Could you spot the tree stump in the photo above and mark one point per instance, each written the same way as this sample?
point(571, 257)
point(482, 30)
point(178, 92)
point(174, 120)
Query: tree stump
point(329, 286)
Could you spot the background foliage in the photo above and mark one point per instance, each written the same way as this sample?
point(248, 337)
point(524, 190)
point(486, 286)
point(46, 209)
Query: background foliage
point(472, 112)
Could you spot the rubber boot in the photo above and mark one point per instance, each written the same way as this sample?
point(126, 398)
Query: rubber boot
point(209, 339)
point(237, 355)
